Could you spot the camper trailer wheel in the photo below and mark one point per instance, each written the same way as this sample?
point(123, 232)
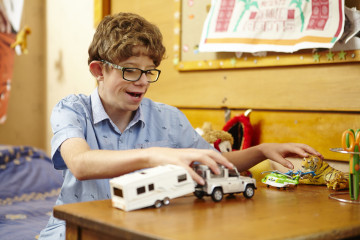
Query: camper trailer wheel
point(217, 195)
point(158, 203)
point(166, 201)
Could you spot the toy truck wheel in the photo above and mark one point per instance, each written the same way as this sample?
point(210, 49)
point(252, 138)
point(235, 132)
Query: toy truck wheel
point(199, 194)
point(158, 204)
point(249, 191)
point(217, 195)
point(166, 201)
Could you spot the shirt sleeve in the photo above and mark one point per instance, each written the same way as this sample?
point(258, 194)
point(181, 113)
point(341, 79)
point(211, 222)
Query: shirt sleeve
point(68, 120)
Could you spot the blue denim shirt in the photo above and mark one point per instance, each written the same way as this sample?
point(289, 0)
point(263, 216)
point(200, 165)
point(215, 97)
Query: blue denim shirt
point(81, 116)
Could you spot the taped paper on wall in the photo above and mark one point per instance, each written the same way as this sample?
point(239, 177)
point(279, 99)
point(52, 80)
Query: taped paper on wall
point(272, 25)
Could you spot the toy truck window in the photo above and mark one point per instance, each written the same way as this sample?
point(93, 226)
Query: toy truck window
point(118, 192)
point(140, 190)
point(201, 173)
point(182, 178)
point(221, 175)
point(151, 187)
point(232, 173)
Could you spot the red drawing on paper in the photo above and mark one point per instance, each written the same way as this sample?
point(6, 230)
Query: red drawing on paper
point(319, 15)
point(276, 19)
point(291, 14)
point(224, 17)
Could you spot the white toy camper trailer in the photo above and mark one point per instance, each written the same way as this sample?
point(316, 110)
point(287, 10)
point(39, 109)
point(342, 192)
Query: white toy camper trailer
point(152, 186)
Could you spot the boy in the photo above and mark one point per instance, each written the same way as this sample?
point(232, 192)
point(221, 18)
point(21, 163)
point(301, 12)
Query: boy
point(117, 130)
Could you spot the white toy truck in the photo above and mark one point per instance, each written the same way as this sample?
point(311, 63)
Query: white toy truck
point(227, 182)
point(150, 187)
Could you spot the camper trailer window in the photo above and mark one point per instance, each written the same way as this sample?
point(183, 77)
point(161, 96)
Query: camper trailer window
point(118, 192)
point(151, 187)
point(140, 190)
point(182, 178)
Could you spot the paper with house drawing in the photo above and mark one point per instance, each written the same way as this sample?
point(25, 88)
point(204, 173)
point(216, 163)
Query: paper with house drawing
point(272, 25)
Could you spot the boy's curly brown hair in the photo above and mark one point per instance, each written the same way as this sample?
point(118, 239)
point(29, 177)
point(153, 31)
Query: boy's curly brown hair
point(117, 36)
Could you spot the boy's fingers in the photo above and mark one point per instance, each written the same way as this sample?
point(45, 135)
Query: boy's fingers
point(283, 161)
point(215, 158)
point(211, 164)
point(309, 150)
point(195, 176)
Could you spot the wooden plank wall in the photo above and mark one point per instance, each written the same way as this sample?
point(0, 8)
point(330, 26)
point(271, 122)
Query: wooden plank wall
point(312, 104)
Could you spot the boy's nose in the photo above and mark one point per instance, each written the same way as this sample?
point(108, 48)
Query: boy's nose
point(143, 79)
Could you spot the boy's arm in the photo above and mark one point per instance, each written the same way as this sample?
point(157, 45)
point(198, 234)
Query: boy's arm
point(277, 152)
point(85, 163)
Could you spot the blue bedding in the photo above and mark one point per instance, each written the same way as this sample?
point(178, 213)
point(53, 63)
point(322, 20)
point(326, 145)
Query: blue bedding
point(28, 191)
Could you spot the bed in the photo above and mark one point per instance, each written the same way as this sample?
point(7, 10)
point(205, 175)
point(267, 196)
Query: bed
point(28, 191)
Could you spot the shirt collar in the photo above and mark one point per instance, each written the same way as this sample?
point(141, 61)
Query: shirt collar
point(98, 110)
point(139, 116)
point(99, 113)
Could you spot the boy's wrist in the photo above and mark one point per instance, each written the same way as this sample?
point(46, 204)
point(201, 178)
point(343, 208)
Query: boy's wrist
point(261, 149)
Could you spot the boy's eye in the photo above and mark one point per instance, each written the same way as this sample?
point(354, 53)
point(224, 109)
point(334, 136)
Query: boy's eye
point(131, 70)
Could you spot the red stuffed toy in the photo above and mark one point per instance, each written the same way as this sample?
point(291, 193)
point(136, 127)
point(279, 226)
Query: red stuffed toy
point(241, 130)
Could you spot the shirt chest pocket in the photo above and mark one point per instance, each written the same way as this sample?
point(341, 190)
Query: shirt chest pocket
point(163, 143)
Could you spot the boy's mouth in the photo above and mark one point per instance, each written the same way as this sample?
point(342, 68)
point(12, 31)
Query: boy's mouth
point(135, 94)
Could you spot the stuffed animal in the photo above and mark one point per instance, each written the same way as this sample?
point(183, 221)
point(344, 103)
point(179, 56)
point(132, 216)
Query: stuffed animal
point(241, 130)
point(220, 140)
point(324, 174)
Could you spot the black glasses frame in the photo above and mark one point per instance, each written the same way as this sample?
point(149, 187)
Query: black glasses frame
point(123, 69)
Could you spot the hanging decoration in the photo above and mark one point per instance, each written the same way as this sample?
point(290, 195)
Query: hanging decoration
point(10, 16)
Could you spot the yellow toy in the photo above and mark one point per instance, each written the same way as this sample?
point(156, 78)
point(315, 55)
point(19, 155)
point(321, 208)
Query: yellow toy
point(21, 39)
point(325, 174)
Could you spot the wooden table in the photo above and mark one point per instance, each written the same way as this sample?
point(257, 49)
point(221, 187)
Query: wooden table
point(304, 212)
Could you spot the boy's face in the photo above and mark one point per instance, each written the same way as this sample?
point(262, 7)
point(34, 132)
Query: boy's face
point(120, 96)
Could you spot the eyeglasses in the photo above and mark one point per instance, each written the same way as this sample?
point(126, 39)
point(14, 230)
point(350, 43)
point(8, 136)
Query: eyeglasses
point(134, 74)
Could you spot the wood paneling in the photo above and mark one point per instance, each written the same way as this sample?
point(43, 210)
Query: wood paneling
point(321, 130)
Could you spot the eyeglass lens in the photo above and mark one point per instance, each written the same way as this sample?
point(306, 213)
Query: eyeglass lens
point(133, 74)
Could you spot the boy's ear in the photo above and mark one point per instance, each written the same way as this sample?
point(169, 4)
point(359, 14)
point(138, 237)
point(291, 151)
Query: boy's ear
point(96, 68)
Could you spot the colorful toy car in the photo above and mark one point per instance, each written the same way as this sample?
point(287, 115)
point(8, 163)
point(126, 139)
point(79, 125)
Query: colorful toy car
point(227, 182)
point(283, 180)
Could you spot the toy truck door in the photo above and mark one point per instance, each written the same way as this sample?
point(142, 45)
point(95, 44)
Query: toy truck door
point(233, 183)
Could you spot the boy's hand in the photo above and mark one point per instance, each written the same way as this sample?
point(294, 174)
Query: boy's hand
point(186, 157)
point(279, 151)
